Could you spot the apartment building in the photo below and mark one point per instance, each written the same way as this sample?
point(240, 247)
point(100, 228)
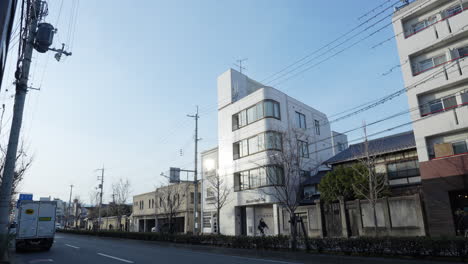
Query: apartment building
point(432, 39)
point(253, 121)
point(151, 211)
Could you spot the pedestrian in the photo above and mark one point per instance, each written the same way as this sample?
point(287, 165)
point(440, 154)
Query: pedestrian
point(261, 226)
point(463, 224)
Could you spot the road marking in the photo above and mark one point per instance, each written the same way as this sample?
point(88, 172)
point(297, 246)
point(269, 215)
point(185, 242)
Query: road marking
point(112, 257)
point(72, 246)
point(266, 260)
point(40, 260)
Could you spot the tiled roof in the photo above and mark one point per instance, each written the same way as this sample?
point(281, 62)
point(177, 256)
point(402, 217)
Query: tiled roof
point(377, 146)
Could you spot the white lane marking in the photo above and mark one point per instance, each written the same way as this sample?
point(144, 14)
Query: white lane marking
point(266, 260)
point(40, 260)
point(72, 246)
point(112, 257)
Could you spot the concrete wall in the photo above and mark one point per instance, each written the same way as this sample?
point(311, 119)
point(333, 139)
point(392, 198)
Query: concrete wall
point(396, 216)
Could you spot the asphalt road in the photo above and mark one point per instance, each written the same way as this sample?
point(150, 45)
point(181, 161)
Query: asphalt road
point(71, 249)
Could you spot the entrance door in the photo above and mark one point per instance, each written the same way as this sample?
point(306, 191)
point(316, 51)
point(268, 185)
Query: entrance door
point(243, 221)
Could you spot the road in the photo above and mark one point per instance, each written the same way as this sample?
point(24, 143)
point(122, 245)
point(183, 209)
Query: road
point(74, 249)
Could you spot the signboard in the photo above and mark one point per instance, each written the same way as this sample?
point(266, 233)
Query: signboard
point(174, 175)
point(24, 197)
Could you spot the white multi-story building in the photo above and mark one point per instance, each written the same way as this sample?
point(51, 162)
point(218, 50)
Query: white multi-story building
point(432, 38)
point(253, 120)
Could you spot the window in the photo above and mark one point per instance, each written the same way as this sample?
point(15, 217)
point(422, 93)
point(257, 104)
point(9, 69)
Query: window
point(431, 63)
point(258, 177)
point(253, 144)
point(341, 146)
point(303, 149)
point(273, 140)
point(439, 105)
point(424, 24)
point(252, 114)
point(309, 191)
point(300, 120)
point(451, 11)
point(459, 147)
point(267, 108)
point(464, 97)
point(192, 197)
point(317, 127)
point(206, 220)
point(261, 142)
point(403, 169)
point(463, 52)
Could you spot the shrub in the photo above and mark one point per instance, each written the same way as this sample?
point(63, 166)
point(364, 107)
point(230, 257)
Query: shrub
point(363, 246)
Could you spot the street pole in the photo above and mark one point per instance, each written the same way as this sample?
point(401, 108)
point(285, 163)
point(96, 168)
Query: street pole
point(69, 205)
point(100, 199)
point(195, 180)
point(20, 97)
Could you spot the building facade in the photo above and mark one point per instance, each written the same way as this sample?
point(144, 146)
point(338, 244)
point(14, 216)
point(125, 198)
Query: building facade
point(151, 211)
point(253, 122)
point(432, 39)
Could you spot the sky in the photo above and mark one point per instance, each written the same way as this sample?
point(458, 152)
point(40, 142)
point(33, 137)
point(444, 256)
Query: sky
point(139, 67)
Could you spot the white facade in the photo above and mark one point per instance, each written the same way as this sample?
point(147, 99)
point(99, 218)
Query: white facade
point(432, 38)
point(249, 117)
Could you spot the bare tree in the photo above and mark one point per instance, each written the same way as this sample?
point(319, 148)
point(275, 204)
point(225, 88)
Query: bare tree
point(219, 191)
point(23, 163)
point(77, 208)
point(368, 183)
point(285, 174)
point(170, 199)
point(120, 192)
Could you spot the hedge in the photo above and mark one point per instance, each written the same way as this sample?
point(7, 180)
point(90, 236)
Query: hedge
point(363, 246)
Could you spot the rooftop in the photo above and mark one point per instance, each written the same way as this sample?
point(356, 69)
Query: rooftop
point(388, 144)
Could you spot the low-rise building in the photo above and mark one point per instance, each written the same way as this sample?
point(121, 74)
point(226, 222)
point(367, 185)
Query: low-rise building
point(154, 211)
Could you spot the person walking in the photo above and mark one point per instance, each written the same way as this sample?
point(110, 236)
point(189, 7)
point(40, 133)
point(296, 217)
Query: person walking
point(261, 226)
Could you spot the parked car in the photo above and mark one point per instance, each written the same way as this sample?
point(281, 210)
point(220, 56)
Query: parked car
point(58, 226)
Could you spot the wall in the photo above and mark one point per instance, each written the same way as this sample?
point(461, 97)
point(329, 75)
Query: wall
point(396, 216)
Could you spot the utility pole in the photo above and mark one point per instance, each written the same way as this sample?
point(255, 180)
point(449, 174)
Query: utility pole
point(69, 205)
point(29, 40)
point(101, 186)
point(20, 97)
point(195, 180)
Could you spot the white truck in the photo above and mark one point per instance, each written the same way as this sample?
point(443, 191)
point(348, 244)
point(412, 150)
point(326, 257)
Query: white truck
point(36, 224)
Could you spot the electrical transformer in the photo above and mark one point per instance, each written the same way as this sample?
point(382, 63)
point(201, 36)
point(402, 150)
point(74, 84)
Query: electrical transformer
point(44, 37)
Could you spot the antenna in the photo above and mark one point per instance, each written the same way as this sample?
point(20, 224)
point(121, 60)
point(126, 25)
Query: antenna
point(239, 64)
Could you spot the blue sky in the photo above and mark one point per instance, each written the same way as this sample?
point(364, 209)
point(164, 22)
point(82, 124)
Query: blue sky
point(139, 67)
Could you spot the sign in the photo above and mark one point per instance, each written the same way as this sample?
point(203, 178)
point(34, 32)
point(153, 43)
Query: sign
point(255, 200)
point(24, 197)
point(174, 175)
point(45, 218)
point(29, 211)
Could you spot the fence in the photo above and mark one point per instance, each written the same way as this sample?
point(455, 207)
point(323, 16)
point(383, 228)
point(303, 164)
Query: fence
point(396, 216)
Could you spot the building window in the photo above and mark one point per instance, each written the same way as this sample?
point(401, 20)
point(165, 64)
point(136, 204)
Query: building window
point(403, 169)
point(459, 147)
point(301, 120)
point(206, 220)
point(423, 24)
point(464, 97)
point(439, 105)
point(317, 127)
point(310, 191)
point(453, 10)
point(258, 177)
point(303, 149)
point(341, 146)
point(265, 141)
point(430, 63)
point(267, 108)
point(462, 52)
